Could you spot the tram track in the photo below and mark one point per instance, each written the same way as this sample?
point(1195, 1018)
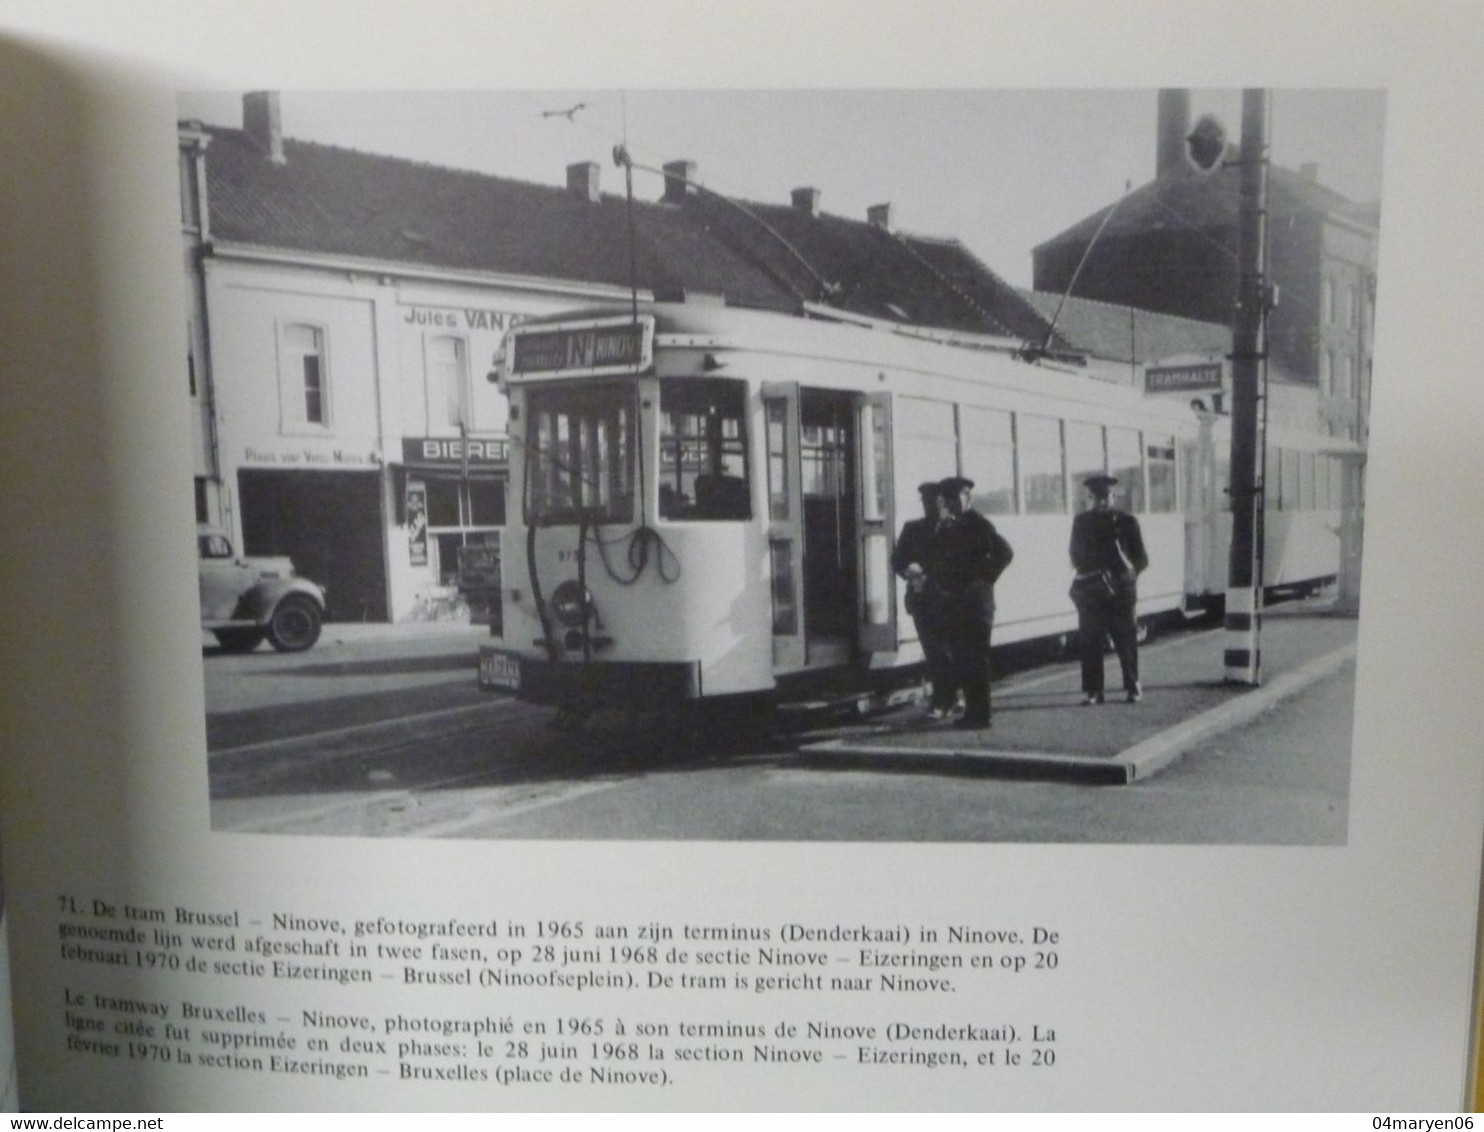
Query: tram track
point(439, 772)
point(429, 774)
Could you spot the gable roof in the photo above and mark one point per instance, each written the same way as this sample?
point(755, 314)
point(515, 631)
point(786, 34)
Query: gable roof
point(330, 200)
point(1181, 197)
point(1119, 333)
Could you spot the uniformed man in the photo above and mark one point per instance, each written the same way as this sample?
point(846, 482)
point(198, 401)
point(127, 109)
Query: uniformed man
point(969, 556)
point(911, 558)
point(1108, 556)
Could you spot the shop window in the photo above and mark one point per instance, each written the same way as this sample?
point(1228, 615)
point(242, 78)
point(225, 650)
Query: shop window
point(487, 503)
point(443, 502)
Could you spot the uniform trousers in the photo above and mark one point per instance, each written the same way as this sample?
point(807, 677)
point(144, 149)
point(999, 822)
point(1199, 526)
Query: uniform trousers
point(932, 633)
point(1099, 618)
point(970, 618)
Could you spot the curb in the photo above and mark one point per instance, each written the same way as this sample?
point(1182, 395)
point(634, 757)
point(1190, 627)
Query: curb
point(1132, 764)
point(1159, 751)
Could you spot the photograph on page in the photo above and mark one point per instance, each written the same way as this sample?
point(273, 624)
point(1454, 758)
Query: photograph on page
point(673, 558)
point(865, 465)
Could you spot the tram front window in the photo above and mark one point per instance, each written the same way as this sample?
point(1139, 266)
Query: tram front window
point(580, 454)
point(703, 450)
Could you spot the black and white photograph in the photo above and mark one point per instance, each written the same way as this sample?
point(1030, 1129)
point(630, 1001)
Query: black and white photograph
point(816, 557)
point(962, 465)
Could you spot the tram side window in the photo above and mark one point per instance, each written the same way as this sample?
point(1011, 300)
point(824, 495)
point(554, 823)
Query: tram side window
point(1306, 481)
point(1045, 485)
point(1163, 497)
point(1288, 488)
point(703, 450)
point(989, 459)
point(1086, 456)
point(1124, 464)
point(580, 454)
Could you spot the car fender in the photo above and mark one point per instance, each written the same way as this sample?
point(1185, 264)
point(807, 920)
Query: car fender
point(259, 602)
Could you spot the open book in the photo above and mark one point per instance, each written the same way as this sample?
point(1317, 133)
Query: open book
point(566, 596)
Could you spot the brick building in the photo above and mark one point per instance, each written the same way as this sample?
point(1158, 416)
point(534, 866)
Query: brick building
point(1171, 246)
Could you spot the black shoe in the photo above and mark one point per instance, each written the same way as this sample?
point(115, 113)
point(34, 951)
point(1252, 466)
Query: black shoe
point(1135, 694)
point(1091, 698)
point(970, 724)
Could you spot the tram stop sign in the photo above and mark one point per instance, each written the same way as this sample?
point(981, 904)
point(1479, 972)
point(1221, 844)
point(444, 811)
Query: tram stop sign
point(1206, 144)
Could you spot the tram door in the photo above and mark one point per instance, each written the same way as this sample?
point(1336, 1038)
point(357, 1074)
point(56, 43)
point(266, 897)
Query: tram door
point(828, 524)
point(1205, 569)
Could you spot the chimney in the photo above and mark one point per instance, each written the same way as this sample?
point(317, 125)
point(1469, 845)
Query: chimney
point(806, 200)
point(679, 181)
point(1174, 126)
point(879, 216)
point(582, 180)
point(1309, 170)
point(262, 123)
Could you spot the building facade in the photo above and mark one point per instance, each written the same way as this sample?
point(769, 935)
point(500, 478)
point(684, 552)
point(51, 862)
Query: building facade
point(1171, 246)
point(348, 311)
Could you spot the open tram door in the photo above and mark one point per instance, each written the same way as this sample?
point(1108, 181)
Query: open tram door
point(829, 525)
point(1201, 489)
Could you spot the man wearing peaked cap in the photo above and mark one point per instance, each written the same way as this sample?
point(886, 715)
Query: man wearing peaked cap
point(1107, 552)
point(911, 558)
point(969, 556)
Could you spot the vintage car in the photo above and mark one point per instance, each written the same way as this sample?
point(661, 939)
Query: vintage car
point(244, 599)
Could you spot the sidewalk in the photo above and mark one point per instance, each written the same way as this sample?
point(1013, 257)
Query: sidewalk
point(1041, 729)
point(456, 634)
point(356, 632)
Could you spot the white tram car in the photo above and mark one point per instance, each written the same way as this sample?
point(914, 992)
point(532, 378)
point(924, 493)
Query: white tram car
point(703, 500)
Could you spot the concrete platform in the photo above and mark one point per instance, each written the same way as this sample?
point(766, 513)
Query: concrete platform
point(1041, 730)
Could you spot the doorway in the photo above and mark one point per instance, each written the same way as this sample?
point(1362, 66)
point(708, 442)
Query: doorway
point(827, 458)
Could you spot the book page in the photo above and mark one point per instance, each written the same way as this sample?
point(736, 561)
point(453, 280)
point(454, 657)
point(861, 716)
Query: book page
point(9, 1094)
point(305, 861)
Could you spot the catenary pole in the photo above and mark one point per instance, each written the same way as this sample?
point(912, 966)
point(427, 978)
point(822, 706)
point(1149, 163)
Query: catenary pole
point(1242, 637)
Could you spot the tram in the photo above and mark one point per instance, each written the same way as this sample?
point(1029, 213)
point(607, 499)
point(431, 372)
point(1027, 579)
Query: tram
point(703, 499)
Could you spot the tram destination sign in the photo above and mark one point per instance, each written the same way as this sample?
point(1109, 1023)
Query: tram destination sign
point(1197, 378)
point(582, 349)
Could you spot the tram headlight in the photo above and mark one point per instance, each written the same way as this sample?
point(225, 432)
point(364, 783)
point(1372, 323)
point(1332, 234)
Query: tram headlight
point(571, 603)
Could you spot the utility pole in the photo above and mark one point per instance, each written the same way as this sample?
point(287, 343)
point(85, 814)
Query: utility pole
point(1243, 653)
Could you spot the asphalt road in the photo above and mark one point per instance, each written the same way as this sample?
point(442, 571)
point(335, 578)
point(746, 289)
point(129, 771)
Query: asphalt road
point(391, 737)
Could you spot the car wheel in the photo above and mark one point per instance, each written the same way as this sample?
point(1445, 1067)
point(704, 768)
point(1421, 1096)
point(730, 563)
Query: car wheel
point(238, 640)
point(295, 624)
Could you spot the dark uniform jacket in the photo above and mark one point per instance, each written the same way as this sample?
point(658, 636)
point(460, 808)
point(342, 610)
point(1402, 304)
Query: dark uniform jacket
point(968, 550)
point(914, 544)
point(1108, 540)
